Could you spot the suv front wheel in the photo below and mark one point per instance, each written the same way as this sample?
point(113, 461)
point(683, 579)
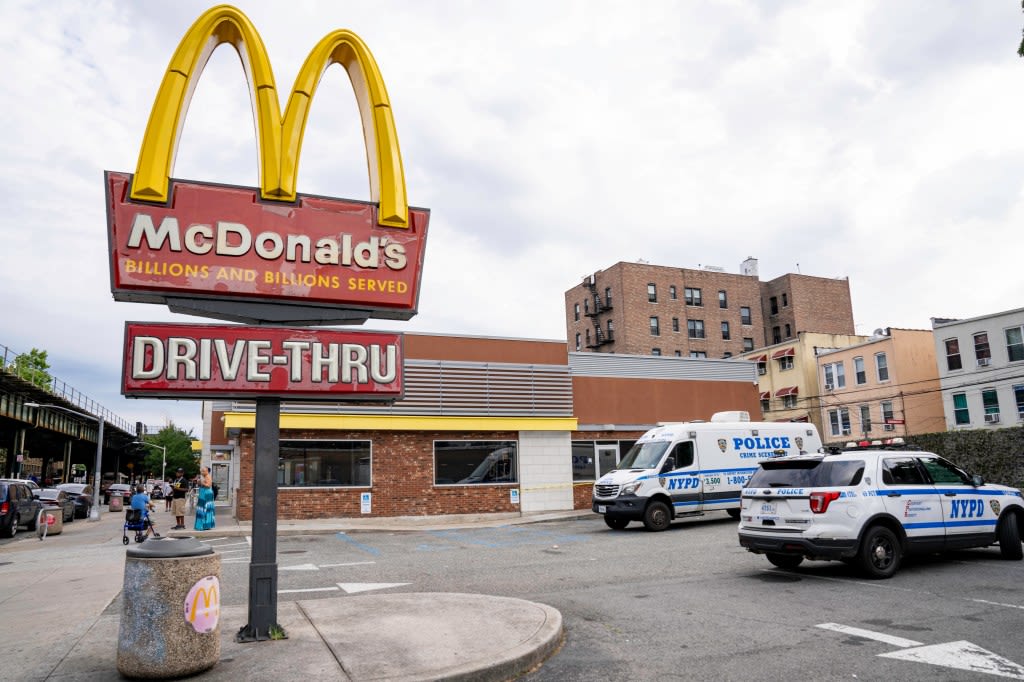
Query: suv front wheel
point(657, 516)
point(880, 553)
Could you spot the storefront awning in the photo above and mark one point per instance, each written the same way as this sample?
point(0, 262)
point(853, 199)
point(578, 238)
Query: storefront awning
point(789, 390)
point(784, 353)
point(765, 395)
point(759, 358)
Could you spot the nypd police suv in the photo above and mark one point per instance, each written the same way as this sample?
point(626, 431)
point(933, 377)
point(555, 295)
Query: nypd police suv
point(687, 468)
point(871, 506)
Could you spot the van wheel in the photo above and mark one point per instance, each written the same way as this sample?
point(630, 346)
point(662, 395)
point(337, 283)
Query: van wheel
point(615, 523)
point(1009, 538)
point(11, 531)
point(880, 553)
point(734, 512)
point(657, 516)
point(785, 560)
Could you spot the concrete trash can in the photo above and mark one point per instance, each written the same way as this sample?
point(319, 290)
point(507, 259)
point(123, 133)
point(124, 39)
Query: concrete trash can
point(116, 502)
point(54, 520)
point(170, 611)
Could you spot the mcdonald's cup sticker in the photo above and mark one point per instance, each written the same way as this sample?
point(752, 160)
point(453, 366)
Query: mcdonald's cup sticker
point(202, 605)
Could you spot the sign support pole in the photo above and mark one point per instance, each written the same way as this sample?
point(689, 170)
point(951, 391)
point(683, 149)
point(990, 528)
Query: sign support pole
point(263, 562)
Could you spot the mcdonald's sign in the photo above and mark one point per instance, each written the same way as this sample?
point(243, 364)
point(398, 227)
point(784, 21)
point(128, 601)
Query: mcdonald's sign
point(266, 254)
point(202, 604)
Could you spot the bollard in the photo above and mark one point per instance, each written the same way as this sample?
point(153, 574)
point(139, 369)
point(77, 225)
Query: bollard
point(170, 612)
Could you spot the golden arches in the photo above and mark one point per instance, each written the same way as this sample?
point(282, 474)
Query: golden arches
point(280, 140)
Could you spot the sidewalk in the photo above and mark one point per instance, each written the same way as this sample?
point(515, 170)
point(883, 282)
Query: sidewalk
point(406, 636)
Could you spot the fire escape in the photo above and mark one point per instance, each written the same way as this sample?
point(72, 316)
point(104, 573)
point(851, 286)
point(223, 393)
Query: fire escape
point(599, 306)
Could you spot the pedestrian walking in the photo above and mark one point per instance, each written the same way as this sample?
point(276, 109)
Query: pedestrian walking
point(179, 489)
point(205, 519)
point(165, 487)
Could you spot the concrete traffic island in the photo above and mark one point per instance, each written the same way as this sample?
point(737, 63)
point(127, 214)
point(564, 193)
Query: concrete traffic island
point(435, 636)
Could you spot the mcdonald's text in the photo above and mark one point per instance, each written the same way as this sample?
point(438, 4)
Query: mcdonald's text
point(177, 360)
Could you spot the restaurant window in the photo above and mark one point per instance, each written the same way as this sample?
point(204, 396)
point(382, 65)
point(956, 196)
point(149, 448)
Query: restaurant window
point(475, 462)
point(324, 463)
point(745, 315)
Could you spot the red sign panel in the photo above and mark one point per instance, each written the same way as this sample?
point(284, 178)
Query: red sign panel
point(217, 361)
point(224, 242)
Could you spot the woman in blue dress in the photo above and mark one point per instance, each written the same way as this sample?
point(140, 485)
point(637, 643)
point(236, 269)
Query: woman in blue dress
point(204, 503)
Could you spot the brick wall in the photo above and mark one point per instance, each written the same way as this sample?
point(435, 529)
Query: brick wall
point(402, 480)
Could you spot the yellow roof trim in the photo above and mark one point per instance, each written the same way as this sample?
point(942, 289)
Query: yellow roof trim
point(382, 422)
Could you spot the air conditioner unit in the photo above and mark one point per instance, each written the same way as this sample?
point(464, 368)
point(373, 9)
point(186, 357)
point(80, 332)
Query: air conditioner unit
point(991, 418)
point(846, 432)
point(829, 386)
point(888, 427)
point(984, 362)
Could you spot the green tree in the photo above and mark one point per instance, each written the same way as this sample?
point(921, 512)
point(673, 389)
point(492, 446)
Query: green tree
point(34, 368)
point(179, 452)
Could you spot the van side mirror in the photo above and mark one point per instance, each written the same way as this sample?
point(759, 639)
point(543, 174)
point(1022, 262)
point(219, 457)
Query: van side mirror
point(977, 481)
point(670, 464)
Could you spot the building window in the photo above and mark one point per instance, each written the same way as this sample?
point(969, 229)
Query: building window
point(788, 402)
point(678, 353)
point(766, 405)
point(655, 329)
point(726, 355)
point(789, 332)
point(1015, 344)
point(655, 351)
point(745, 315)
point(839, 421)
point(961, 413)
point(588, 337)
point(786, 362)
point(695, 329)
point(474, 462)
point(982, 352)
point(990, 403)
point(723, 300)
point(672, 291)
point(858, 371)
point(882, 367)
point(725, 331)
point(324, 463)
point(953, 354)
point(887, 415)
point(611, 330)
point(652, 293)
point(762, 367)
point(692, 296)
point(698, 354)
point(785, 300)
point(675, 324)
point(607, 297)
point(865, 418)
point(577, 340)
point(1018, 396)
point(776, 335)
point(586, 306)
point(835, 376)
point(773, 305)
point(748, 343)
point(576, 312)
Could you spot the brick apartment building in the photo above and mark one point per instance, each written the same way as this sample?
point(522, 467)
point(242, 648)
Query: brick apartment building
point(643, 309)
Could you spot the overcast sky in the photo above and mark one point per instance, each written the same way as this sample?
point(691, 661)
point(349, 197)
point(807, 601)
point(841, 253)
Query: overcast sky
point(880, 141)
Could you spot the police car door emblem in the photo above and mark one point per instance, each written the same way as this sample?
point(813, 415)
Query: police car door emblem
point(995, 506)
point(799, 443)
point(721, 444)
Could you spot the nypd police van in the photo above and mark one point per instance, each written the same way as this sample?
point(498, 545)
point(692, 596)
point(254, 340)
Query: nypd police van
point(687, 468)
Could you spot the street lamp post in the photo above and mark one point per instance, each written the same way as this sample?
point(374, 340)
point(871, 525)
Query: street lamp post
point(163, 469)
point(94, 514)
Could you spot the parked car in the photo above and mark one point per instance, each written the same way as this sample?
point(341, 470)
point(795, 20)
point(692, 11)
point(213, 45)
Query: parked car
point(58, 499)
point(81, 494)
point(17, 507)
point(122, 489)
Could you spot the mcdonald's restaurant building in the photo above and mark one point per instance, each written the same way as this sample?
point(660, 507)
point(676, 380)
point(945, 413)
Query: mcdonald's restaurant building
point(486, 425)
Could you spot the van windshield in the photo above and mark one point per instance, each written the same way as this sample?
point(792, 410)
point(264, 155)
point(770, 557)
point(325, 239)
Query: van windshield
point(644, 455)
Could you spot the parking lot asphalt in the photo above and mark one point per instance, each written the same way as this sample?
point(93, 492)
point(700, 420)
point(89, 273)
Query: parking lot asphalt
point(60, 589)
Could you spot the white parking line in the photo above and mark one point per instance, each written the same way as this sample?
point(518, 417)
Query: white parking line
point(995, 603)
point(232, 544)
point(309, 589)
point(351, 563)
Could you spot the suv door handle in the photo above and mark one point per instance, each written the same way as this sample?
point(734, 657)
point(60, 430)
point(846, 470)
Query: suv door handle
point(949, 494)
